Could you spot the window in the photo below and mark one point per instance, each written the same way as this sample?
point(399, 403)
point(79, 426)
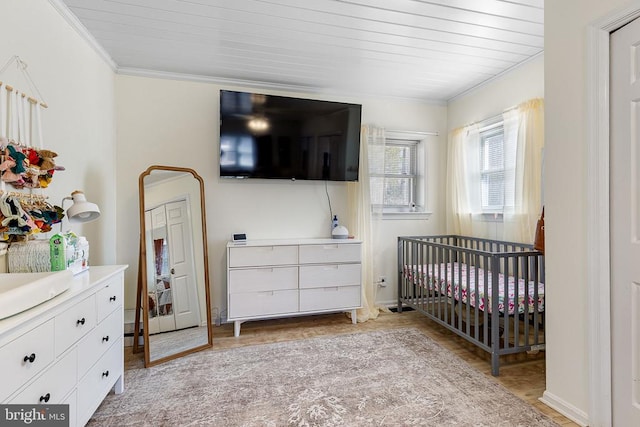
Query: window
point(396, 187)
point(492, 169)
point(497, 169)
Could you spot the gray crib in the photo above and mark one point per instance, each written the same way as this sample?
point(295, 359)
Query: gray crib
point(487, 291)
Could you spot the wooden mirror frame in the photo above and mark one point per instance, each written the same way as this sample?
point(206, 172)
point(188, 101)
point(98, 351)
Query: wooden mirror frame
point(143, 302)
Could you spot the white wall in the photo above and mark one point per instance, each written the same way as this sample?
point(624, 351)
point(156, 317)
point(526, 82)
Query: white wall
point(566, 196)
point(79, 124)
point(175, 123)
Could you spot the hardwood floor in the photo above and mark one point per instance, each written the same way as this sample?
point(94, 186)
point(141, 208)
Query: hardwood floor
point(522, 374)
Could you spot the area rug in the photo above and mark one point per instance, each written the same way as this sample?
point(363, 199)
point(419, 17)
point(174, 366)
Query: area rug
point(396, 377)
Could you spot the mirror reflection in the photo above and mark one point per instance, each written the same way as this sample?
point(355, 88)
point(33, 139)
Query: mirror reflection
point(173, 262)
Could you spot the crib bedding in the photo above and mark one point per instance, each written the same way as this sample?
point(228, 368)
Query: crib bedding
point(459, 280)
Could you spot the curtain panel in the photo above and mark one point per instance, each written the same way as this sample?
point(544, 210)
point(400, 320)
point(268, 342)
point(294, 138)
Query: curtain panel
point(363, 221)
point(463, 174)
point(524, 130)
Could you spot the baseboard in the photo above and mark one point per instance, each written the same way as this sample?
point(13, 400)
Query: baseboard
point(574, 414)
point(392, 305)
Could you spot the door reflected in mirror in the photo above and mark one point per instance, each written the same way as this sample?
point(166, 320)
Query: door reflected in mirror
point(174, 279)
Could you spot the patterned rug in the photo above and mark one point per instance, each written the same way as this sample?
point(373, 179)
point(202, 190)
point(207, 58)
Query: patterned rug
point(381, 378)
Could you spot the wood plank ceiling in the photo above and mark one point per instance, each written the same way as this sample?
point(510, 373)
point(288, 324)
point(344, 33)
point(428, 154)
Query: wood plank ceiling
point(425, 49)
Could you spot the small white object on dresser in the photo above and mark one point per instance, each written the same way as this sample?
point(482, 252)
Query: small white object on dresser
point(280, 278)
point(68, 350)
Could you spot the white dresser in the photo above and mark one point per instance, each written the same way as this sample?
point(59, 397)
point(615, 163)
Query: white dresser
point(68, 350)
point(279, 278)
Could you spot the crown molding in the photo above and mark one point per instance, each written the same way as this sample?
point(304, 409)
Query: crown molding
point(222, 81)
point(75, 23)
point(269, 86)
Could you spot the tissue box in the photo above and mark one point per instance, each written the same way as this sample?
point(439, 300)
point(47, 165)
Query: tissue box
point(78, 255)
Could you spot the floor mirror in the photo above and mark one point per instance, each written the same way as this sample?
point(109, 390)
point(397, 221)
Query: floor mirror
point(173, 274)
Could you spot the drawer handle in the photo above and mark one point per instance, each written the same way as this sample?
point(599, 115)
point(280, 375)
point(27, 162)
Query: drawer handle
point(105, 339)
point(80, 322)
point(105, 374)
point(113, 298)
point(31, 358)
point(45, 398)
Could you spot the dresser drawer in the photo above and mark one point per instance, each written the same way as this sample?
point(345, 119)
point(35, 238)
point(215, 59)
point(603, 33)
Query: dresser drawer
point(330, 275)
point(96, 343)
point(109, 298)
point(95, 385)
point(263, 279)
point(256, 256)
point(338, 252)
point(74, 323)
point(52, 386)
point(35, 345)
point(339, 297)
point(263, 303)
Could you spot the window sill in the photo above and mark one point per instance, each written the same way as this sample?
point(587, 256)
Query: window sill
point(489, 217)
point(406, 215)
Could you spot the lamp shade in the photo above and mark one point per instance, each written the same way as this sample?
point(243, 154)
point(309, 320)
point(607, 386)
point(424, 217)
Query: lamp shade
point(81, 210)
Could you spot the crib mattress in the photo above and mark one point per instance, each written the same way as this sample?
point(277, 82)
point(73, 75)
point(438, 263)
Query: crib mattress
point(452, 279)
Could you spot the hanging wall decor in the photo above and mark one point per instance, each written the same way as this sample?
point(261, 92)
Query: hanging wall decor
point(24, 162)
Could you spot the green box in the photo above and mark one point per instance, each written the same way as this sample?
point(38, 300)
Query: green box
point(57, 249)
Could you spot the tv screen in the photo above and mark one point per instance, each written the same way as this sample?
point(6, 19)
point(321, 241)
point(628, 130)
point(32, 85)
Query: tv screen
point(266, 136)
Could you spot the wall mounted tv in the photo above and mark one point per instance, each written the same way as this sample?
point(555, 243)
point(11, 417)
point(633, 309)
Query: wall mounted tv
point(266, 136)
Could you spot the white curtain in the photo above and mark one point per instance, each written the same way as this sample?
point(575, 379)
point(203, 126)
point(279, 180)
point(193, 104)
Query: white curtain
point(374, 139)
point(524, 144)
point(463, 166)
point(363, 223)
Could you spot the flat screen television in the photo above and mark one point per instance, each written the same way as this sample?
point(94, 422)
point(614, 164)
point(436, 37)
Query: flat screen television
point(278, 137)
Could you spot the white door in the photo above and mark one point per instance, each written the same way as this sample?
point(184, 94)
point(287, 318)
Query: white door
point(183, 277)
point(625, 224)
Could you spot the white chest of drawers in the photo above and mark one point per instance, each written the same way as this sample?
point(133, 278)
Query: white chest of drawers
point(280, 278)
point(69, 349)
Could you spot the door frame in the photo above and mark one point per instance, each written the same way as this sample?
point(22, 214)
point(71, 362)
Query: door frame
point(598, 233)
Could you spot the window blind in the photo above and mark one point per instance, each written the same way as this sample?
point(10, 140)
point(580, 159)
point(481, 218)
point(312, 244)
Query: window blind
point(394, 185)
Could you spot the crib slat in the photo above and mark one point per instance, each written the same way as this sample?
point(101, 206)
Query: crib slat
point(495, 317)
point(527, 279)
point(476, 298)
